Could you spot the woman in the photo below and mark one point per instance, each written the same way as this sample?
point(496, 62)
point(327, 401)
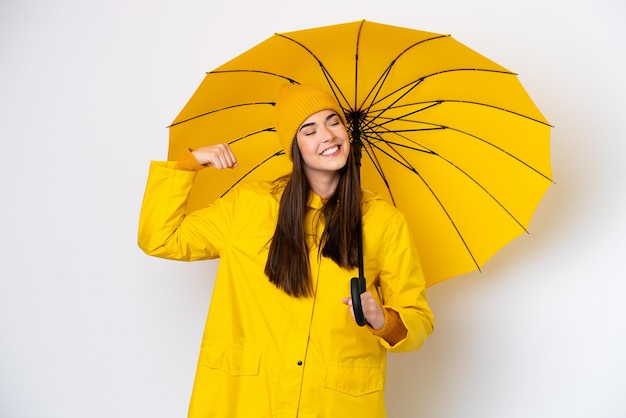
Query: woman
point(280, 338)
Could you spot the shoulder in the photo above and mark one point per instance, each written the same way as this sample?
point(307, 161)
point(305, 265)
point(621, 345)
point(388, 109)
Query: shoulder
point(385, 225)
point(255, 191)
point(380, 215)
point(375, 205)
point(247, 201)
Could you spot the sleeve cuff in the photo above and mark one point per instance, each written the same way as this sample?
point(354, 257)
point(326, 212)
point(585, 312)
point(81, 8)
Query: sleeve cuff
point(188, 163)
point(394, 330)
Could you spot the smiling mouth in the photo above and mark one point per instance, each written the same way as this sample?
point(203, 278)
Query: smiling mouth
point(330, 151)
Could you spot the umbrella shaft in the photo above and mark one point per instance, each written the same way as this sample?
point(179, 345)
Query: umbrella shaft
point(356, 150)
point(356, 145)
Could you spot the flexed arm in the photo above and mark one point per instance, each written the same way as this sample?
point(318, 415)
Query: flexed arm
point(165, 230)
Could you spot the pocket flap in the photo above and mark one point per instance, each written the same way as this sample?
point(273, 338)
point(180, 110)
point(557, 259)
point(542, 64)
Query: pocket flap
point(355, 380)
point(235, 361)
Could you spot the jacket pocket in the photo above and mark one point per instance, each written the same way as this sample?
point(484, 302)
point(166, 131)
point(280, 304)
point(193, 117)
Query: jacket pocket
point(355, 380)
point(236, 361)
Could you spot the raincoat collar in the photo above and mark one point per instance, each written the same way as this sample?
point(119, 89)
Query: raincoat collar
point(314, 201)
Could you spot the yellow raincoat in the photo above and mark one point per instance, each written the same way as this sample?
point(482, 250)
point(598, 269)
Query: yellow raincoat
point(265, 353)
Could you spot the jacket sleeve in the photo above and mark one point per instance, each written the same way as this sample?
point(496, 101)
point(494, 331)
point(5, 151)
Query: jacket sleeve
point(402, 284)
point(166, 231)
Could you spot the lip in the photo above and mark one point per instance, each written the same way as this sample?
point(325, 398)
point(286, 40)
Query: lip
point(338, 148)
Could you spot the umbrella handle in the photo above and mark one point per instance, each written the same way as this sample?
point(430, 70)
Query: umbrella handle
point(357, 286)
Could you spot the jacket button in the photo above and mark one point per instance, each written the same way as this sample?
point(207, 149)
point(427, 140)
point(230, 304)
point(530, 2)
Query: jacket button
point(299, 362)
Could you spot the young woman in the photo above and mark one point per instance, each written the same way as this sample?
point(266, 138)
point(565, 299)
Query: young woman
point(280, 338)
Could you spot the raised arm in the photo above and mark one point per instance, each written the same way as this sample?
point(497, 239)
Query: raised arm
point(164, 228)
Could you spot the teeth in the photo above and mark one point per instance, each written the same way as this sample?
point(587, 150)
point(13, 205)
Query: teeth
point(330, 150)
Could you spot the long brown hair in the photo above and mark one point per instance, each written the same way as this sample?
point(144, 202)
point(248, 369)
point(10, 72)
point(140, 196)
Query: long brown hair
point(288, 260)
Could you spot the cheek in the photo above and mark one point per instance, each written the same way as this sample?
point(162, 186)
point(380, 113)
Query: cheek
point(306, 147)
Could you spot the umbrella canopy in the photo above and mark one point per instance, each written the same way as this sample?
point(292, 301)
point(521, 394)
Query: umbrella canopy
point(448, 136)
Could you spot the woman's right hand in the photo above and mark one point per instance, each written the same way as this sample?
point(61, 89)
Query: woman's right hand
point(219, 156)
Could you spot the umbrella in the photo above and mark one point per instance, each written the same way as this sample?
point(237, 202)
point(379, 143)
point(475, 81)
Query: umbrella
point(446, 135)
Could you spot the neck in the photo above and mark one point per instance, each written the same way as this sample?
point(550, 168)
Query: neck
point(324, 186)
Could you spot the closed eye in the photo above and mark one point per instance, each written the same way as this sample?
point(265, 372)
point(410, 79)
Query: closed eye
point(333, 120)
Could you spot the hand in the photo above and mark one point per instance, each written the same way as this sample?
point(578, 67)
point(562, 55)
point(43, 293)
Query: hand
point(372, 311)
point(219, 156)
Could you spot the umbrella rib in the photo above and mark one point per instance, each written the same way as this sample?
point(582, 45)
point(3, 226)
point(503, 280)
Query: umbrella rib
point(329, 78)
point(248, 70)
point(403, 162)
point(243, 177)
point(220, 110)
point(407, 165)
point(410, 86)
point(369, 150)
point(498, 108)
point(371, 121)
point(469, 102)
point(260, 131)
point(383, 77)
point(503, 151)
point(437, 127)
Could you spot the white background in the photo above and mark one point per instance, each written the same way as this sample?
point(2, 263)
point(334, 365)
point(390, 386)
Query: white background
point(92, 327)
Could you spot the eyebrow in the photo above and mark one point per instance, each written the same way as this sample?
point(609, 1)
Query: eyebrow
point(306, 125)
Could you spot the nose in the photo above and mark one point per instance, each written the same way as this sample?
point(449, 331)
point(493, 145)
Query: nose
point(327, 134)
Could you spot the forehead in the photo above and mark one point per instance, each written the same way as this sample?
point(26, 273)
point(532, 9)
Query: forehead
point(318, 117)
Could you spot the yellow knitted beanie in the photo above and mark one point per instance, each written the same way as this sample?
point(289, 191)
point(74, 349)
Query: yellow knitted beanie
point(294, 104)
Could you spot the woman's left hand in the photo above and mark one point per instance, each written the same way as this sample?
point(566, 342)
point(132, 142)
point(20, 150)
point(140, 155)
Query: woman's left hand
point(372, 311)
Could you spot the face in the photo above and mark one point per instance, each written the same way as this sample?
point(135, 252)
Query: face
point(324, 145)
